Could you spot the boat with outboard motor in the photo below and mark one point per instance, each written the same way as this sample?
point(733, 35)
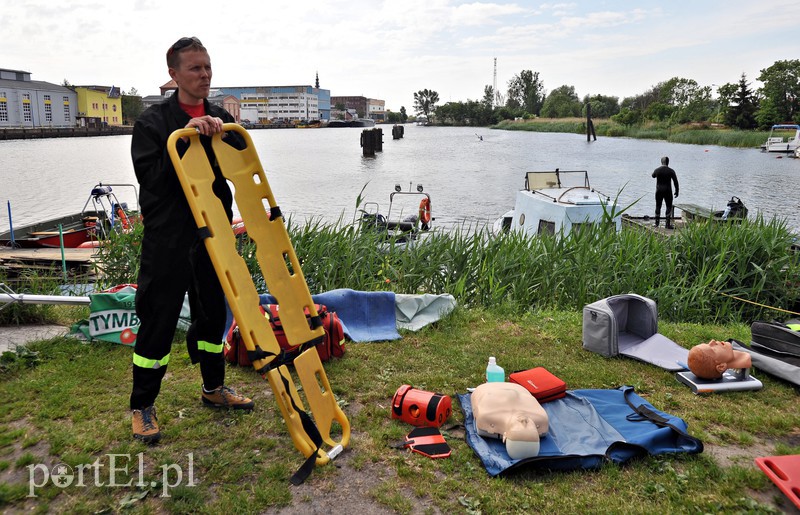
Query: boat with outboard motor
point(558, 202)
point(102, 212)
point(783, 137)
point(397, 225)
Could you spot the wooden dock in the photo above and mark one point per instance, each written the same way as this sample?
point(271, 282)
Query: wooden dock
point(689, 213)
point(45, 261)
point(647, 224)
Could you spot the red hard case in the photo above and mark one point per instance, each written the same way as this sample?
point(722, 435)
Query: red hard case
point(541, 383)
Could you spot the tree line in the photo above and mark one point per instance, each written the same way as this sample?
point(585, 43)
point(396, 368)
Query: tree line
point(674, 101)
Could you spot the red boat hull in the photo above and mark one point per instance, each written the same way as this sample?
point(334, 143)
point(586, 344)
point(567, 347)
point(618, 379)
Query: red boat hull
point(72, 239)
point(75, 230)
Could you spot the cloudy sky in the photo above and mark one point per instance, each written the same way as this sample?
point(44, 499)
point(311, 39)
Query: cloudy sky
point(390, 49)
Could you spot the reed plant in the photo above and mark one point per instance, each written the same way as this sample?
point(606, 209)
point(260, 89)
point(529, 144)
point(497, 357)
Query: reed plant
point(117, 259)
point(693, 134)
point(720, 137)
point(28, 282)
point(707, 272)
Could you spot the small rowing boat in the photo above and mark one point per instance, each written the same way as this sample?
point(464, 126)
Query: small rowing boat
point(101, 213)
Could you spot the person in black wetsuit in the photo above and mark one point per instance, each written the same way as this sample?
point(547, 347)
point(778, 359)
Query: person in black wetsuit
point(665, 176)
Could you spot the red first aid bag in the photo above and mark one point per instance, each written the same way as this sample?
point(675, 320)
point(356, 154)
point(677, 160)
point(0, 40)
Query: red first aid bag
point(332, 344)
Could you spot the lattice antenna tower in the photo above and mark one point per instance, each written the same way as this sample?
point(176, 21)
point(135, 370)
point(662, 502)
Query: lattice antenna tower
point(494, 85)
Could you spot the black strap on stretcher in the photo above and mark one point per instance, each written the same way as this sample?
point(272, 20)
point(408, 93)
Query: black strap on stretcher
point(311, 430)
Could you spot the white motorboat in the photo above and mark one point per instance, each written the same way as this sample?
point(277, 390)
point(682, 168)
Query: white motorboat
point(783, 138)
point(558, 202)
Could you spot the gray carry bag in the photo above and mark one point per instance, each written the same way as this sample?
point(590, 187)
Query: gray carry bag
point(628, 325)
point(774, 349)
point(775, 337)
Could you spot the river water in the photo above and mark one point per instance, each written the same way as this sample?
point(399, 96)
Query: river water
point(471, 174)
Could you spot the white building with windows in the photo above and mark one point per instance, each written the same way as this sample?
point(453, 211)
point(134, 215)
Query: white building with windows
point(269, 104)
point(376, 109)
point(283, 103)
point(32, 103)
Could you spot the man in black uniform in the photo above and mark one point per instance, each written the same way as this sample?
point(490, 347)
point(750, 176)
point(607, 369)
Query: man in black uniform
point(665, 176)
point(174, 258)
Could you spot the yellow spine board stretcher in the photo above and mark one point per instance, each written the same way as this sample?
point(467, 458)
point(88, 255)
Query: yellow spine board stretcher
point(281, 270)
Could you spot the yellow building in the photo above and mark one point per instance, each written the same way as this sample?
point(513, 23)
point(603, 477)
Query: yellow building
point(99, 106)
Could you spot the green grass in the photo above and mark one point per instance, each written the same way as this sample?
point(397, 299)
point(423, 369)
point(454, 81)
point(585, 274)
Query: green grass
point(72, 404)
point(519, 299)
point(694, 134)
point(28, 281)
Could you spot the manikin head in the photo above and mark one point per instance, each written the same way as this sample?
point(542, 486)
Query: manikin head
point(522, 436)
point(665, 161)
point(710, 360)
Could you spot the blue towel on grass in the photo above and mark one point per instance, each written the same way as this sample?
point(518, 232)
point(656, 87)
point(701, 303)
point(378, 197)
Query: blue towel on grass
point(367, 316)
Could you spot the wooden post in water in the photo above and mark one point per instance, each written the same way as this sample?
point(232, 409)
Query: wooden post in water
point(378, 135)
point(368, 143)
point(589, 124)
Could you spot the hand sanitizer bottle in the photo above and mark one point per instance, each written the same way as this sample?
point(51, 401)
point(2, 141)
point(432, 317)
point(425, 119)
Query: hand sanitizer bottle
point(494, 372)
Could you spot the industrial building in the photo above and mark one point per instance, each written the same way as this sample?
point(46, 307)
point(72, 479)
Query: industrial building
point(32, 103)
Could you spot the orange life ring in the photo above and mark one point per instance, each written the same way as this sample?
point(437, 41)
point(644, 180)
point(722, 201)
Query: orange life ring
point(122, 216)
point(425, 210)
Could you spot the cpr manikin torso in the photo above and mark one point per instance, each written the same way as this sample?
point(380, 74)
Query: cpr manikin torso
point(509, 412)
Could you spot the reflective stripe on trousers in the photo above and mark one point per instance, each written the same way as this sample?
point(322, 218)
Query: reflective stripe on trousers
point(143, 362)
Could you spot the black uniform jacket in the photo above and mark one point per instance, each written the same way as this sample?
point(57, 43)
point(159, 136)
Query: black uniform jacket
point(165, 211)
